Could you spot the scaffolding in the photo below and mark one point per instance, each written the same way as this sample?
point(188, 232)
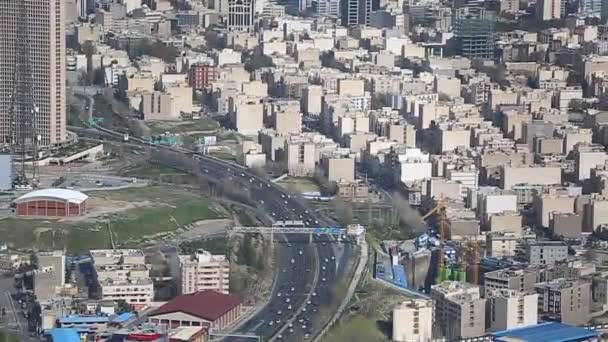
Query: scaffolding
point(474, 31)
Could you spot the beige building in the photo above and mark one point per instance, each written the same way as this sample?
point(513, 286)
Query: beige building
point(459, 310)
point(547, 205)
point(339, 169)
point(566, 300)
point(311, 99)
point(137, 292)
point(248, 117)
point(43, 26)
point(287, 122)
point(413, 321)
point(351, 87)
point(300, 155)
point(158, 106)
point(548, 9)
point(49, 277)
point(522, 280)
point(501, 244)
point(116, 256)
point(510, 309)
point(547, 175)
point(204, 271)
point(403, 134)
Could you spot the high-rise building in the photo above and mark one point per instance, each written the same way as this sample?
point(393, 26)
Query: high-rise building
point(548, 9)
point(459, 310)
point(204, 271)
point(330, 8)
point(413, 321)
point(565, 300)
point(241, 15)
point(474, 33)
point(356, 12)
point(592, 8)
point(510, 309)
point(39, 25)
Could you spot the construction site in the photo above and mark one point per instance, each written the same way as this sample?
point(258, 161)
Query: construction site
point(430, 258)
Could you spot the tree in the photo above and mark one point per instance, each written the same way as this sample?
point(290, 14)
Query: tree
point(344, 211)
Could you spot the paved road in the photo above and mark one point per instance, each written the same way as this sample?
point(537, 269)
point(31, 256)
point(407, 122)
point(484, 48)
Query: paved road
point(295, 258)
point(14, 321)
point(281, 206)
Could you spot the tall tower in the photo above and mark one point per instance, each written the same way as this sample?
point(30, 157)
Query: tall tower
point(32, 70)
point(241, 15)
point(474, 32)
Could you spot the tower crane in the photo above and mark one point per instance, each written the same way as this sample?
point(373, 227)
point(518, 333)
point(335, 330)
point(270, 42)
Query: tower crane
point(439, 209)
point(468, 248)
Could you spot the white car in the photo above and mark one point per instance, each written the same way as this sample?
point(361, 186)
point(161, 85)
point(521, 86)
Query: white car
point(314, 294)
point(300, 252)
point(323, 268)
point(293, 261)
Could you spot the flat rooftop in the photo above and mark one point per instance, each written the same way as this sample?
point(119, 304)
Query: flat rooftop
point(546, 332)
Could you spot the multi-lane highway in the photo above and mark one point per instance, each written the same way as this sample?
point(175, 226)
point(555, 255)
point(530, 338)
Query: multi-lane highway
point(308, 272)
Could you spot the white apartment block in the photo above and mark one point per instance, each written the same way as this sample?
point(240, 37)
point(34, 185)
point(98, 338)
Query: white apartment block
point(510, 309)
point(413, 321)
point(115, 256)
point(204, 271)
point(138, 292)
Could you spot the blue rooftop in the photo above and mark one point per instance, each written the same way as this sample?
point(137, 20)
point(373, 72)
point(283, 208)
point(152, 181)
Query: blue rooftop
point(546, 332)
point(64, 335)
point(76, 319)
point(123, 317)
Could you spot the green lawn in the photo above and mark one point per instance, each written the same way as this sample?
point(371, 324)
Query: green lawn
point(167, 210)
point(161, 173)
point(355, 329)
point(203, 124)
point(7, 337)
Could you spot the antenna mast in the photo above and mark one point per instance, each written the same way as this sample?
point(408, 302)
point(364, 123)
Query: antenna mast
point(23, 110)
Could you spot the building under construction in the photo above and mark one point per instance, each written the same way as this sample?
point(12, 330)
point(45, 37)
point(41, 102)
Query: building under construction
point(474, 32)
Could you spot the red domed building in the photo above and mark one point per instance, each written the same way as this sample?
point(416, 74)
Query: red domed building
point(51, 203)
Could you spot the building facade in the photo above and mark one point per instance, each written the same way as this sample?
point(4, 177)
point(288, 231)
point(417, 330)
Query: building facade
point(204, 271)
point(510, 309)
point(413, 321)
point(459, 310)
point(241, 15)
point(41, 23)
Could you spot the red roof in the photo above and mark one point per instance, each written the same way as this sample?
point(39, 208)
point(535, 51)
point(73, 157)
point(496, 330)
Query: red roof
point(208, 305)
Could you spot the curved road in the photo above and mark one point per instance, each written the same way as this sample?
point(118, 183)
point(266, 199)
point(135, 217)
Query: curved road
point(296, 258)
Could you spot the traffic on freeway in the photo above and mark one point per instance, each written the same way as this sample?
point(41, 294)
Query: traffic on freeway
point(302, 284)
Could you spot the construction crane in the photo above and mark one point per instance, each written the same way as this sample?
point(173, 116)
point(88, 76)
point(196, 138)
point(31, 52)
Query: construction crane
point(439, 209)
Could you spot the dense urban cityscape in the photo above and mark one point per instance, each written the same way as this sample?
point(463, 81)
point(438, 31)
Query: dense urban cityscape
point(303, 170)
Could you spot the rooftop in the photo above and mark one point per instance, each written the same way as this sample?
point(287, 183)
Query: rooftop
point(547, 332)
point(83, 319)
point(71, 196)
point(208, 305)
point(64, 335)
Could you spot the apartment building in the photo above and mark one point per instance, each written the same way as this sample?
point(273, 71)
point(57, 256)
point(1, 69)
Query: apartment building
point(116, 256)
point(136, 292)
point(510, 309)
point(37, 28)
point(300, 156)
point(522, 280)
point(565, 299)
point(459, 310)
point(204, 271)
point(123, 275)
point(546, 252)
point(413, 321)
point(49, 278)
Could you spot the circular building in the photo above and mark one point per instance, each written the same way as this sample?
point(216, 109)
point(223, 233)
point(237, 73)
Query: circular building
point(51, 203)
